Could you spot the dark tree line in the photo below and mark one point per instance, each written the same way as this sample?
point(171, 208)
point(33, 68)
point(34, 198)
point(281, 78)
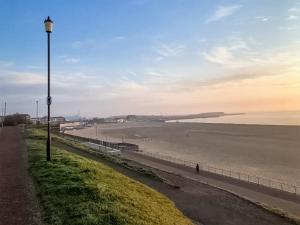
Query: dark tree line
point(15, 119)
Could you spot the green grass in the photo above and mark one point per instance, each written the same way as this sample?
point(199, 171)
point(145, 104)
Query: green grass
point(36, 132)
point(74, 190)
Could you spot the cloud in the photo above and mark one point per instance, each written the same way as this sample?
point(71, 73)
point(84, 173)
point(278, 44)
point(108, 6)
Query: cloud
point(236, 77)
point(22, 78)
point(288, 28)
point(222, 12)
point(29, 79)
point(243, 56)
point(167, 50)
point(294, 10)
point(219, 55)
point(154, 74)
point(293, 17)
point(68, 59)
point(237, 44)
point(82, 43)
point(262, 18)
point(33, 67)
point(294, 13)
point(130, 87)
point(6, 64)
point(72, 60)
point(226, 54)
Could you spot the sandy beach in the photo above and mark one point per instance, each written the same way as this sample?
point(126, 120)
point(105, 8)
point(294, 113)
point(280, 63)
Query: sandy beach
point(269, 151)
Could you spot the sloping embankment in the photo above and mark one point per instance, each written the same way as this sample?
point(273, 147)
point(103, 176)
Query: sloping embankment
point(75, 190)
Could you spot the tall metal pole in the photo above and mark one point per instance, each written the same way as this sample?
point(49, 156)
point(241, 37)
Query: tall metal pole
point(4, 114)
point(4, 109)
point(37, 110)
point(2, 117)
point(96, 132)
point(48, 102)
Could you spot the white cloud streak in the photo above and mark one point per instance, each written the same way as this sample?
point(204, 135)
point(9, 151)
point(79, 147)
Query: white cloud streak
point(262, 18)
point(294, 10)
point(222, 12)
point(22, 78)
point(294, 14)
point(226, 54)
point(293, 17)
point(68, 59)
point(6, 64)
point(168, 50)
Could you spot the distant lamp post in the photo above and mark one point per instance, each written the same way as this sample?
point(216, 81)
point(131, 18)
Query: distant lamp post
point(48, 27)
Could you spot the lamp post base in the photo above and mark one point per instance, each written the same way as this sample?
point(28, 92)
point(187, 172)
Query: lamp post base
point(48, 149)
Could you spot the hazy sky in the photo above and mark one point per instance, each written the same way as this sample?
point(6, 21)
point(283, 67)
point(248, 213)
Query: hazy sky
point(151, 56)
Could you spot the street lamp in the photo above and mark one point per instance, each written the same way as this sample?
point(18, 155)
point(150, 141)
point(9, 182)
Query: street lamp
point(48, 27)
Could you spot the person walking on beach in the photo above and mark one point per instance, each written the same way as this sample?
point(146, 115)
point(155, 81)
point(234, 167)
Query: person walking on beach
point(197, 168)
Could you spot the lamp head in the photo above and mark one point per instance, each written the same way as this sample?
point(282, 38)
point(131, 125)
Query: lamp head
point(48, 25)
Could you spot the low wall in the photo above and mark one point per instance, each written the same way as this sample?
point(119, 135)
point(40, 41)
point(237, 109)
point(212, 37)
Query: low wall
point(115, 145)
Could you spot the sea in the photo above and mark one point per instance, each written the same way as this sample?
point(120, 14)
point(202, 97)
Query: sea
point(262, 118)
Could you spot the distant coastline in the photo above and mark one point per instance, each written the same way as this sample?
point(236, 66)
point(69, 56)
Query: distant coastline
point(290, 118)
point(165, 118)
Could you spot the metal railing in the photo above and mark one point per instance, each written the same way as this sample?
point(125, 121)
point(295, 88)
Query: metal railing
point(108, 144)
point(275, 184)
point(270, 183)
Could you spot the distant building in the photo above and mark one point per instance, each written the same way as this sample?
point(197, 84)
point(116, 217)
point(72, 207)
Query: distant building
point(58, 119)
point(69, 126)
point(35, 120)
point(95, 120)
point(131, 118)
point(121, 120)
point(110, 120)
point(53, 120)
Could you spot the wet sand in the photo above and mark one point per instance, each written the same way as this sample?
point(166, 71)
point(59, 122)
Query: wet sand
point(263, 150)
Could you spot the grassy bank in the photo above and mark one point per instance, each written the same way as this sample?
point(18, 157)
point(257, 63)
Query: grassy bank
point(74, 190)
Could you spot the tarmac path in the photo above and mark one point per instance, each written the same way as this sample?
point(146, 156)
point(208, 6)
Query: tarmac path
point(288, 202)
point(202, 203)
point(18, 205)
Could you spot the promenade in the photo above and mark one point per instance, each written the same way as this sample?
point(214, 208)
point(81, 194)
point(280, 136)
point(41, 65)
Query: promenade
point(17, 199)
point(287, 202)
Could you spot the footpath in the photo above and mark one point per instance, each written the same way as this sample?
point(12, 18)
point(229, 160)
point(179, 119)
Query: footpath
point(287, 202)
point(18, 205)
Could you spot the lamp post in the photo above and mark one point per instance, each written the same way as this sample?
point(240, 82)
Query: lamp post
point(48, 27)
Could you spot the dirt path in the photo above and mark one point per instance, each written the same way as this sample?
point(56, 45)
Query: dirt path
point(202, 203)
point(18, 205)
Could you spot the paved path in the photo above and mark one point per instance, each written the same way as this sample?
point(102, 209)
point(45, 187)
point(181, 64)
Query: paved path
point(202, 203)
point(285, 201)
point(18, 205)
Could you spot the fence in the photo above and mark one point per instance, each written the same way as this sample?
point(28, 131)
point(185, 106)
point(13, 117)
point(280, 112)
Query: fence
point(102, 149)
point(278, 185)
point(114, 145)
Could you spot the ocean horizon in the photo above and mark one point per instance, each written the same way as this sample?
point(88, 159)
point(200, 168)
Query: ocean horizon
point(259, 118)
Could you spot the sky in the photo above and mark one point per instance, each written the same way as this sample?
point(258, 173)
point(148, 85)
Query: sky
point(113, 57)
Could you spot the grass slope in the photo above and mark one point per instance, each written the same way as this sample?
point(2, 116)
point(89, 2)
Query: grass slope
point(74, 190)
